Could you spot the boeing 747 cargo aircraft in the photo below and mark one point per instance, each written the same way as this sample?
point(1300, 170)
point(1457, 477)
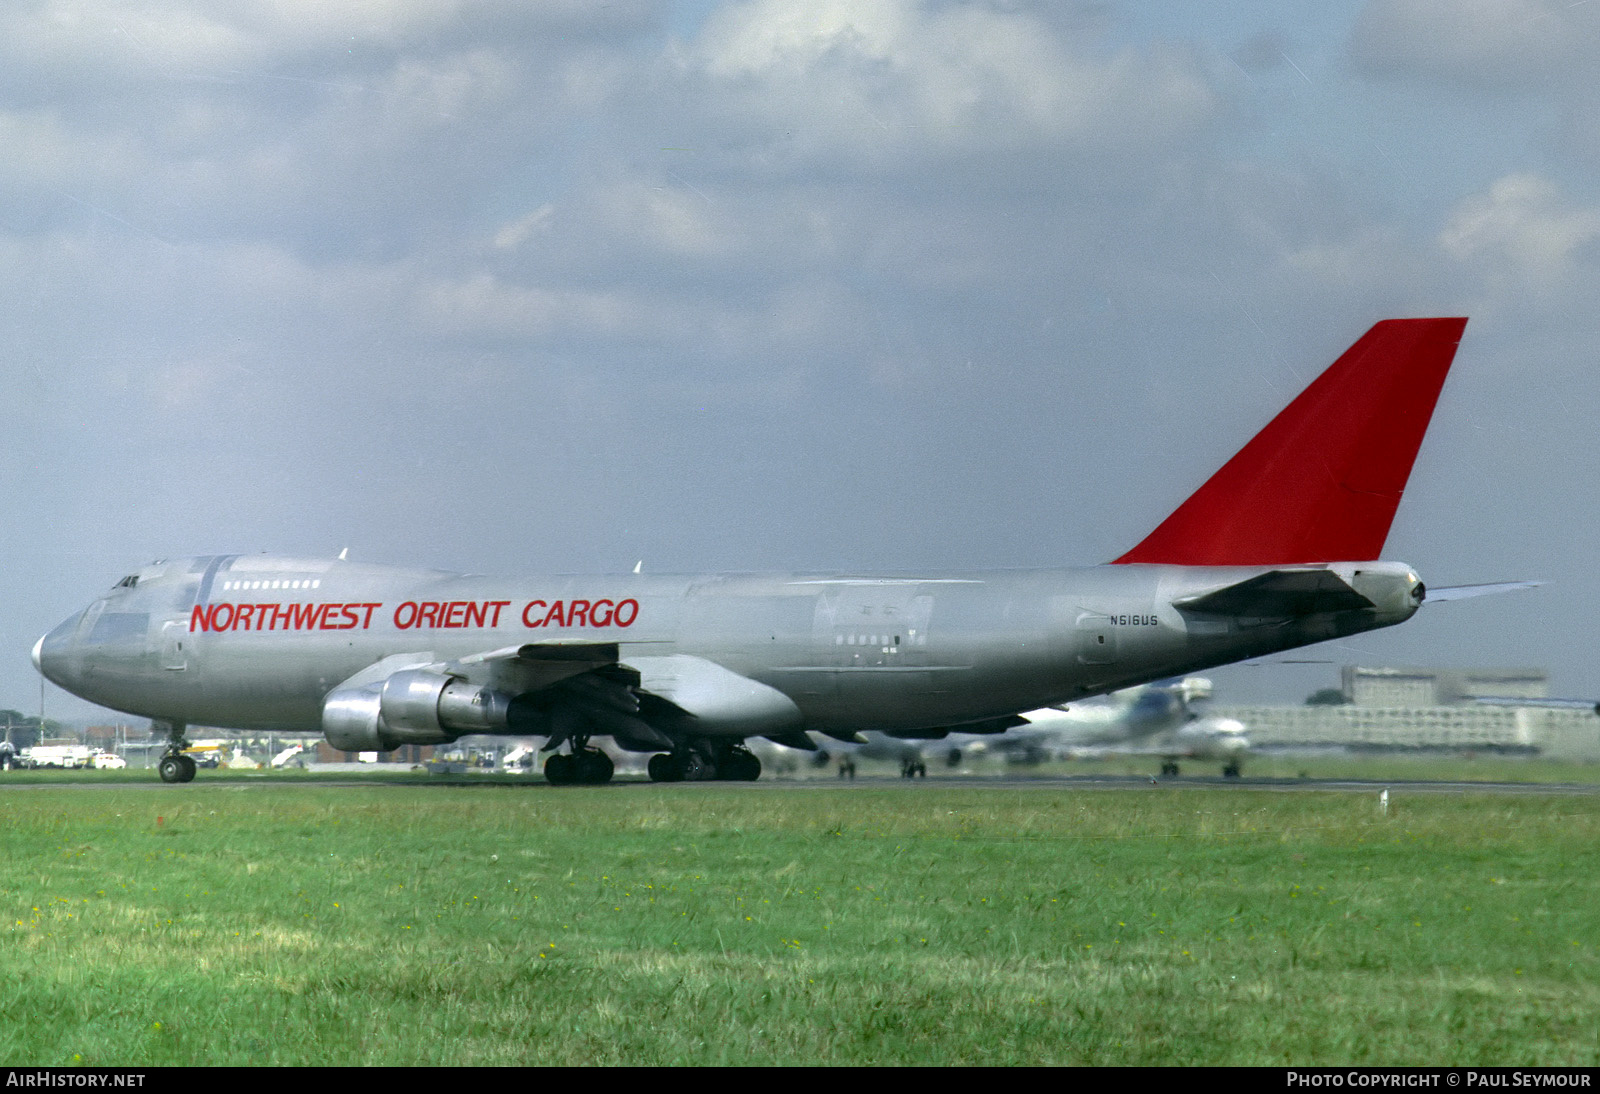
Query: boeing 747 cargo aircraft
point(1276, 550)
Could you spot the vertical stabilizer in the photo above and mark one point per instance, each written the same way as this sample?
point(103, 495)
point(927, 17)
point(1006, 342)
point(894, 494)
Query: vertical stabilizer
point(1322, 481)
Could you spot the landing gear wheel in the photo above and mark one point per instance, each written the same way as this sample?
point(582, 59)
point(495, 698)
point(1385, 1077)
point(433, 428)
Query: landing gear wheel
point(1231, 771)
point(685, 765)
point(590, 767)
point(594, 767)
point(664, 767)
point(560, 770)
point(739, 765)
point(1169, 769)
point(174, 766)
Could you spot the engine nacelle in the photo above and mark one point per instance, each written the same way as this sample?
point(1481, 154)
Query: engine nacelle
point(412, 707)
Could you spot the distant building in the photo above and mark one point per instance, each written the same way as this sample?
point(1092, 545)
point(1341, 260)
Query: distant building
point(1421, 708)
point(405, 754)
point(113, 735)
point(1369, 686)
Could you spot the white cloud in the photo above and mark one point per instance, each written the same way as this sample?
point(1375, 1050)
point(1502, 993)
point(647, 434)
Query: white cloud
point(876, 80)
point(673, 220)
point(512, 235)
point(1524, 231)
point(483, 304)
point(182, 36)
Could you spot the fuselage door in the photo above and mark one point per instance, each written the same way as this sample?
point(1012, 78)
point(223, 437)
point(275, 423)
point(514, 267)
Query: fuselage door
point(1097, 639)
point(174, 637)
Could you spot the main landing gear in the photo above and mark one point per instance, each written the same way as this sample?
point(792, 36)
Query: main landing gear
point(174, 766)
point(730, 763)
point(585, 767)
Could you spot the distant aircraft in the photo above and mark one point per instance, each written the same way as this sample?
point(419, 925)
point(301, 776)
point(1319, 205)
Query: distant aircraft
point(1152, 719)
point(1156, 720)
point(1276, 550)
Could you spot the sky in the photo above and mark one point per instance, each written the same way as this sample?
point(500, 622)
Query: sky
point(513, 286)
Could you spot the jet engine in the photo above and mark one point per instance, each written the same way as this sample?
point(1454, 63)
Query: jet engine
point(412, 707)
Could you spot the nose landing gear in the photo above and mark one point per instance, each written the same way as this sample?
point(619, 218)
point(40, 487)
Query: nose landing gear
point(174, 766)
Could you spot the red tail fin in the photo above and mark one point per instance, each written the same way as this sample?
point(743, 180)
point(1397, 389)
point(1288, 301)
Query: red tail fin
point(1321, 482)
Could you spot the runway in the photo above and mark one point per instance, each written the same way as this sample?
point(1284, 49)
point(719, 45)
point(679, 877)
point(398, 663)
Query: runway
point(981, 783)
point(1196, 782)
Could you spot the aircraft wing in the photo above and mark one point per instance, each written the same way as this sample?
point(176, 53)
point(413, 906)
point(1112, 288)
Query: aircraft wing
point(586, 686)
point(555, 690)
point(539, 665)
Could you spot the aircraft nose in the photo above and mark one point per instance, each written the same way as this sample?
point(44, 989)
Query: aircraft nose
point(52, 654)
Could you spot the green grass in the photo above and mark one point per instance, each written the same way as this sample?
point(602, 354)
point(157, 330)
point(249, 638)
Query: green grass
point(221, 923)
point(1397, 766)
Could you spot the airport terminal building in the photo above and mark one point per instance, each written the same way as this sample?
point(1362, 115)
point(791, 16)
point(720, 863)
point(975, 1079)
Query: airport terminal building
point(1421, 708)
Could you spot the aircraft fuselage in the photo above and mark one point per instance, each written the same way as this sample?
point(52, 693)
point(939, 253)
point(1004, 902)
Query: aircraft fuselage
point(258, 642)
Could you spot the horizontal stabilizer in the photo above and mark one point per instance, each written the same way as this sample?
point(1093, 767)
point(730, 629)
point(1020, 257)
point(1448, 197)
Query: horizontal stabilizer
point(1279, 594)
point(1464, 592)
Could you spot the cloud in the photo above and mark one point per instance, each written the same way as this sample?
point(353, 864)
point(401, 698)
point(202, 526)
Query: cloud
point(194, 37)
point(1477, 43)
point(1524, 233)
point(871, 82)
point(332, 127)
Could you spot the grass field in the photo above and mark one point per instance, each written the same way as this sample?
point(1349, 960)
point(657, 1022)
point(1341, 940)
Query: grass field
point(232, 923)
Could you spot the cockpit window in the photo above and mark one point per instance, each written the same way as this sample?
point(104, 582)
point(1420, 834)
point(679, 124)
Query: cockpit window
point(128, 582)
